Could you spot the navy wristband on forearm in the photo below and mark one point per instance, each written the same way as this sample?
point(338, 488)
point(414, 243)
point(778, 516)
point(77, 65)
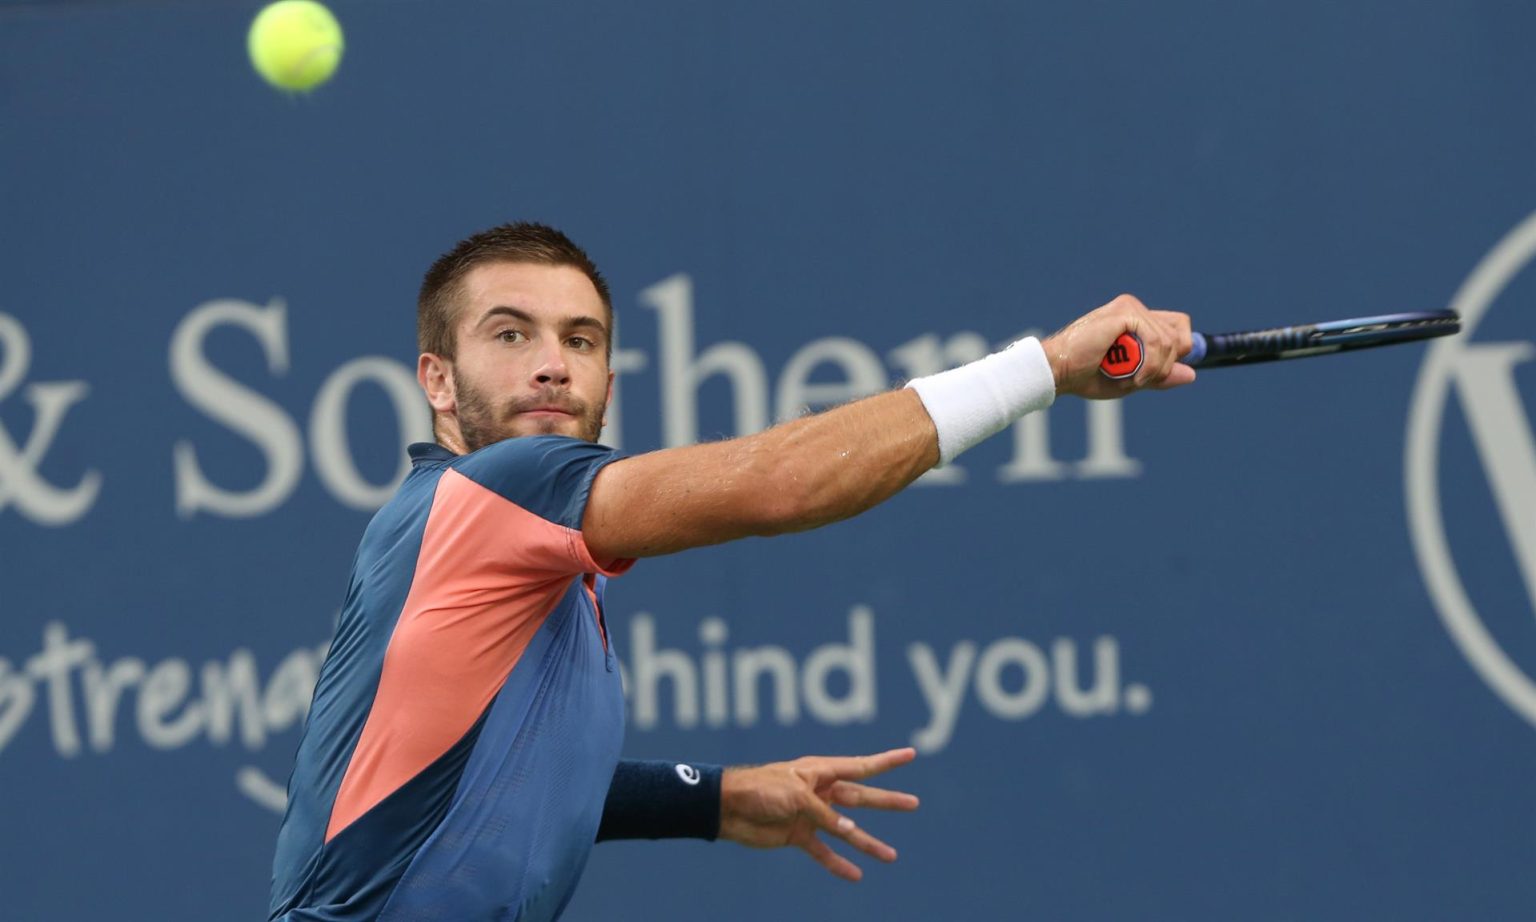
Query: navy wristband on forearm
point(662, 800)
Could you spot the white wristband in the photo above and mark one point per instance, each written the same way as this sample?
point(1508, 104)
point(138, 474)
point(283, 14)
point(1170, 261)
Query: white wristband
point(979, 400)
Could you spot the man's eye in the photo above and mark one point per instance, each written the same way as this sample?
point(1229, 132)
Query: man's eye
point(510, 336)
point(581, 342)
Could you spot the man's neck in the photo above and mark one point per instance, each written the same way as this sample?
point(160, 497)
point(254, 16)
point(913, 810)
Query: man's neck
point(447, 435)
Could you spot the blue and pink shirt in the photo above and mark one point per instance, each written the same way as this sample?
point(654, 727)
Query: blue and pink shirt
point(469, 715)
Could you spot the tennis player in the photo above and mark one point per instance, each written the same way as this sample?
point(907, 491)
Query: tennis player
point(462, 752)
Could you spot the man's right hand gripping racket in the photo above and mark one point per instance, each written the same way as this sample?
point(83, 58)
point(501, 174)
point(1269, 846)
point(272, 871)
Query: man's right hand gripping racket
point(1213, 350)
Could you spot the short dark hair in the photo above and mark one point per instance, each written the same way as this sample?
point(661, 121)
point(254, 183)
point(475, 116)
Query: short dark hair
point(437, 305)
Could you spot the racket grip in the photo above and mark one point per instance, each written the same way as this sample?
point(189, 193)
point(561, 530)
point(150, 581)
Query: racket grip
point(1197, 347)
point(1124, 358)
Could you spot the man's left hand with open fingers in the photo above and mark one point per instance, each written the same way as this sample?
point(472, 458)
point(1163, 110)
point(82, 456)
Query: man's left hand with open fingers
point(787, 803)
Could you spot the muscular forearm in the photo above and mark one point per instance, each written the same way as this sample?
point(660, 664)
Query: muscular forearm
point(795, 476)
point(839, 463)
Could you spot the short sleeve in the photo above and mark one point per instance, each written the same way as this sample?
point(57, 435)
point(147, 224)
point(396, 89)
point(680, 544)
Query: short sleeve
point(550, 477)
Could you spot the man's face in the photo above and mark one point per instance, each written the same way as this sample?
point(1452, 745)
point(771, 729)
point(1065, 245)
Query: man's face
point(532, 354)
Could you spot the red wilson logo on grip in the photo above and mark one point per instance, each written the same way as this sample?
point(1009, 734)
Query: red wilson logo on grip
point(1123, 358)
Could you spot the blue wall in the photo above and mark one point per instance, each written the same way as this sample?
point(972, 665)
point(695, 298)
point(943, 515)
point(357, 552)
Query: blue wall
point(1259, 649)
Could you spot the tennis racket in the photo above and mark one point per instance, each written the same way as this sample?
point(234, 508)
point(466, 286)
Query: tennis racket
point(1213, 350)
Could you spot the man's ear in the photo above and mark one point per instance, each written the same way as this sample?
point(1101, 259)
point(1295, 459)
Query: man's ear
point(435, 375)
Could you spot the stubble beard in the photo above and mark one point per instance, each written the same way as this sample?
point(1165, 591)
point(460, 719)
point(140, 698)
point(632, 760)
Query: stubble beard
point(482, 422)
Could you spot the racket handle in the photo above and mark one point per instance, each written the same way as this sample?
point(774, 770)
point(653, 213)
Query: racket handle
point(1124, 358)
point(1197, 347)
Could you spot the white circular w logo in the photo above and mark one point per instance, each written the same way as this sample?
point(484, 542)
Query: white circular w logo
point(1483, 374)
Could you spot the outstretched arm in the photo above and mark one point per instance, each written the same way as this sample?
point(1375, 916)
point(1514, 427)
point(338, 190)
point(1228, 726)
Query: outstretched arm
point(792, 477)
point(830, 466)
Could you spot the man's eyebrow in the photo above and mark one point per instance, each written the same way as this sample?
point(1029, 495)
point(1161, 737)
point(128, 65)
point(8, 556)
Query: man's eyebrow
point(585, 321)
point(503, 310)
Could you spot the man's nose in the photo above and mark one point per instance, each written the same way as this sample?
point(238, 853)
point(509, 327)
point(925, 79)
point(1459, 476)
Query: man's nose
point(551, 368)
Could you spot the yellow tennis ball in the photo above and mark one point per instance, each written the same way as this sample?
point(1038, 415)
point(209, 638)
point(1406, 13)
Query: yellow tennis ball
point(295, 44)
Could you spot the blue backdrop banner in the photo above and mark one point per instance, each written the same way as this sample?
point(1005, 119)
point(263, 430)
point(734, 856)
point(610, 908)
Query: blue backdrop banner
point(1260, 648)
